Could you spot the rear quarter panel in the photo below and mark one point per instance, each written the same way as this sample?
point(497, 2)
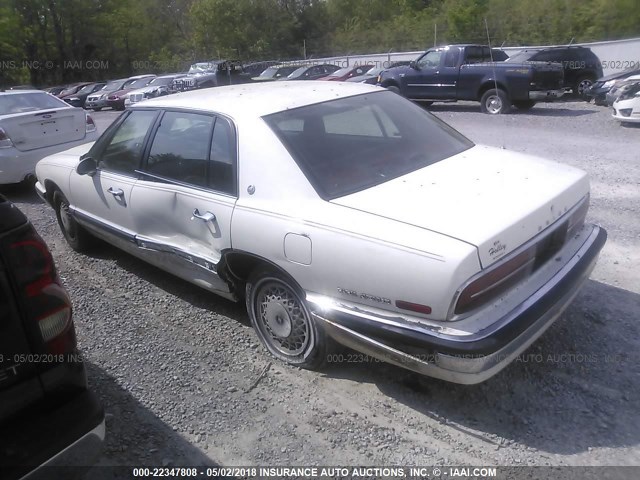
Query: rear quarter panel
point(347, 248)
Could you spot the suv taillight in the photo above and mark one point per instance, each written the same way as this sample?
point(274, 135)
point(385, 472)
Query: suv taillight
point(44, 300)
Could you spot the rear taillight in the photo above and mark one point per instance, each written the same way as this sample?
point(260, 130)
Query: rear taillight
point(5, 141)
point(44, 300)
point(495, 281)
point(90, 124)
point(489, 284)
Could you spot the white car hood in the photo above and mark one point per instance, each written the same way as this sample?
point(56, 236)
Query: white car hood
point(488, 197)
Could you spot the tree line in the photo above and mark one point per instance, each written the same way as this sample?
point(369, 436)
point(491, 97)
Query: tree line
point(44, 42)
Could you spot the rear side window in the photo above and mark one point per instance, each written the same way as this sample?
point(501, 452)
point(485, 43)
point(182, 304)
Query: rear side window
point(354, 143)
point(549, 56)
point(195, 149)
point(451, 57)
point(180, 148)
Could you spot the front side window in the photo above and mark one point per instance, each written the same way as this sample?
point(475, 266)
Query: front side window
point(430, 59)
point(123, 152)
point(347, 145)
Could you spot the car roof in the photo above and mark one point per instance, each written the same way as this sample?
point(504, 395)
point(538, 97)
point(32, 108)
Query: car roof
point(259, 99)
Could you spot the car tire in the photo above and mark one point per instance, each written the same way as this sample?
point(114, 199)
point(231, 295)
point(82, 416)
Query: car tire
point(581, 86)
point(394, 89)
point(495, 102)
point(75, 235)
point(97, 109)
point(282, 320)
point(524, 104)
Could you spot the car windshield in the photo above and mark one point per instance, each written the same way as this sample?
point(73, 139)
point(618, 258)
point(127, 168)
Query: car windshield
point(28, 102)
point(374, 71)
point(269, 72)
point(277, 72)
point(296, 73)
point(342, 71)
point(115, 85)
point(141, 82)
point(350, 144)
point(86, 89)
point(159, 81)
point(203, 67)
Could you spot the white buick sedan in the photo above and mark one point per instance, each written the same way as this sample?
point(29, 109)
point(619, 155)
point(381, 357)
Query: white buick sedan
point(339, 212)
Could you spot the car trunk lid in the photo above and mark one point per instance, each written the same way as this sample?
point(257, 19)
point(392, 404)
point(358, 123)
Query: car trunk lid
point(45, 128)
point(490, 198)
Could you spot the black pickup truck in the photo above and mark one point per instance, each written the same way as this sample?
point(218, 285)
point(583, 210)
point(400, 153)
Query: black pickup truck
point(51, 425)
point(467, 72)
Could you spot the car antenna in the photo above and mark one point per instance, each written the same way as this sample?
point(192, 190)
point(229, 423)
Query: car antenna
point(493, 64)
point(435, 34)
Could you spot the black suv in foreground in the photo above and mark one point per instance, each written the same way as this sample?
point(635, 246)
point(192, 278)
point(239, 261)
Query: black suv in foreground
point(581, 66)
point(50, 423)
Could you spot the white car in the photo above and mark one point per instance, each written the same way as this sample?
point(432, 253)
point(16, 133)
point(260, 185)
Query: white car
point(338, 211)
point(33, 125)
point(627, 107)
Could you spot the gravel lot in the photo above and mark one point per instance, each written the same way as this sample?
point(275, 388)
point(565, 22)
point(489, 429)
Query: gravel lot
point(176, 368)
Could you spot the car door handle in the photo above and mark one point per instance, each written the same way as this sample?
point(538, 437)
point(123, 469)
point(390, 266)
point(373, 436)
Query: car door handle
point(205, 217)
point(116, 192)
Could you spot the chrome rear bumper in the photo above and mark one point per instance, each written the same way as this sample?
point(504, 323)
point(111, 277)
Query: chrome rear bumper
point(472, 363)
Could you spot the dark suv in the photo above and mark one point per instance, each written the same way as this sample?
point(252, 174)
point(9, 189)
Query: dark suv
point(48, 417)
point(581, 66)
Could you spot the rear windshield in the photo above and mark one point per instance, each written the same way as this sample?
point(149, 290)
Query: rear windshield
point(350, 144)
point(28, 102)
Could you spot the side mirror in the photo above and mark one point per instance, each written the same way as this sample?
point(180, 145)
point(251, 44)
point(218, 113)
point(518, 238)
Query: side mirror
point(87, 166)
point(413, 65)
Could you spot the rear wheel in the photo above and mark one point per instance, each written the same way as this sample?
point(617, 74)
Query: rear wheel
point(394, 89)
point(75, 235)
point(282, 321)
point(495, 102)
point(97, 109)
point(524, 104)
point(582, 85)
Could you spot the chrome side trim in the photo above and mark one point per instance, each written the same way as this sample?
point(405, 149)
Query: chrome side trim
point(194, 269)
